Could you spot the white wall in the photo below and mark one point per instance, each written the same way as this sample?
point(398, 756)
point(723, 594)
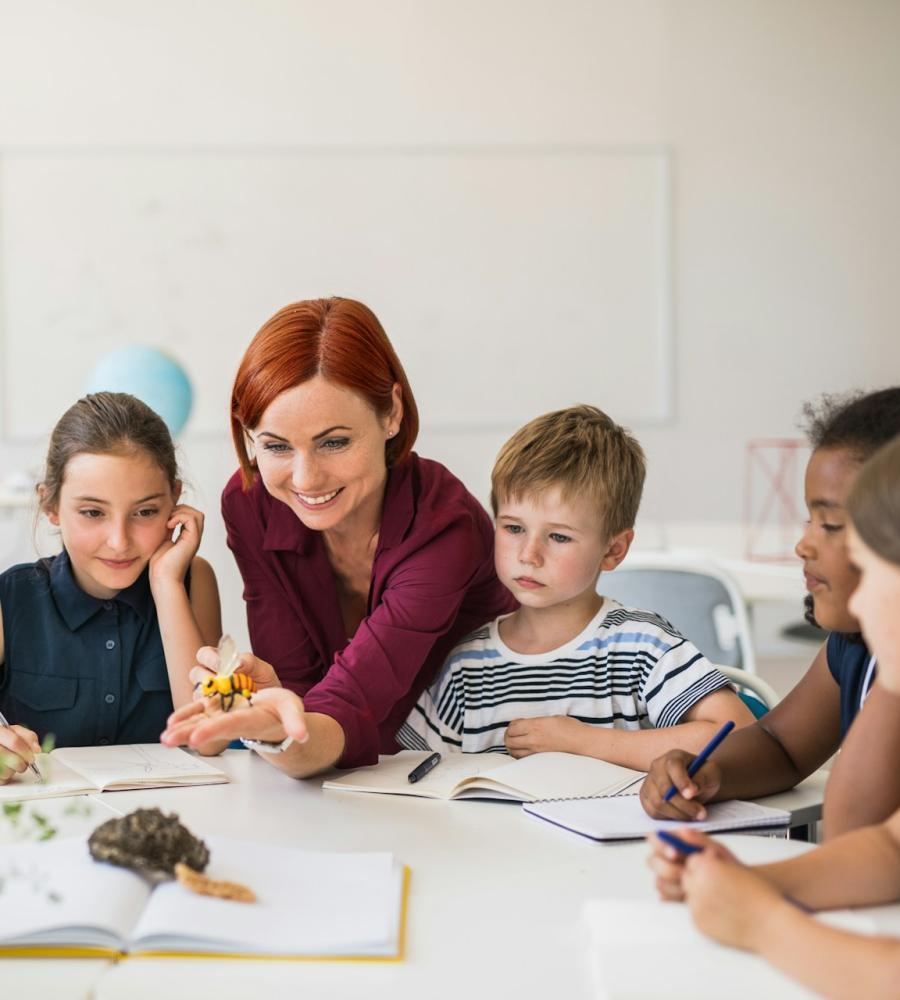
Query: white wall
point(781, 120)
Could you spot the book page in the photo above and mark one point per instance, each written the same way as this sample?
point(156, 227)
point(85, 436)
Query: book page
point(54, 893)
point(308, 903)
point(56, 779)
point(623, 817)
point(391, 774)
point(139, 765)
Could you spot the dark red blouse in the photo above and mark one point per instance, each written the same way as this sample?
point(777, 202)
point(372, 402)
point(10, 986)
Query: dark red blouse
point(433, 582)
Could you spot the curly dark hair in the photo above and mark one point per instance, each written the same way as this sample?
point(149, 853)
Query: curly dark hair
point(862, 422)
point(859, 421)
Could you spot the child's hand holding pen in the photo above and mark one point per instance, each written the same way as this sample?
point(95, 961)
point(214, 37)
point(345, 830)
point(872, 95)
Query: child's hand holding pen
point(730, 903)
point(18, 747)
point(668, 856)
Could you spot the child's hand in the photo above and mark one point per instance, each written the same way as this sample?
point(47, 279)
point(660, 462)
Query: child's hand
point(171, 560)
point(667, 862)
point(728, 901)
point(18, 747)
point(687, 803)
point(548, 732)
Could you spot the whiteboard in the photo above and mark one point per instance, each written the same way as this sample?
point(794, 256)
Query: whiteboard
point(511, 282)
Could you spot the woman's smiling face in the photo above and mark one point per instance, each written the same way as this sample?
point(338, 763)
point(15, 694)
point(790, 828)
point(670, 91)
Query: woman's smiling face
point(320, 449)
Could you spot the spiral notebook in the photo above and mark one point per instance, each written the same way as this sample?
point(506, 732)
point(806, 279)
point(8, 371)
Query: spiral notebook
point(492, 776)
point(623, 818)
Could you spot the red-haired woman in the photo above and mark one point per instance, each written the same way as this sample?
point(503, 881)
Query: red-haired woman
point(363, 564)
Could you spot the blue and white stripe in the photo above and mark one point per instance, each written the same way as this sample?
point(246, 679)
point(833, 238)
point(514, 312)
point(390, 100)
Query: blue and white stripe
point(627, 669)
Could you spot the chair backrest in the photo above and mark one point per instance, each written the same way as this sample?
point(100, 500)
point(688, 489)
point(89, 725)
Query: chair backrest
point(700, 600)
point(753, 689)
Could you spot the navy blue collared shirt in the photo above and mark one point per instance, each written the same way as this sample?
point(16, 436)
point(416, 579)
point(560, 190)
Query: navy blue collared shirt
point(848, 661)
point(86, 670)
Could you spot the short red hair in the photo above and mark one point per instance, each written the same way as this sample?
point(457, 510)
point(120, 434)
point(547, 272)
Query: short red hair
point(340, 339)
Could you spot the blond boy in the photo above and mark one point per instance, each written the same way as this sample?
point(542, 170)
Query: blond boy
point(571, 670)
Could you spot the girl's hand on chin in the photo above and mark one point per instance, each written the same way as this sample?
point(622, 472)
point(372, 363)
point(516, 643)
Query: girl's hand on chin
point(171, 560)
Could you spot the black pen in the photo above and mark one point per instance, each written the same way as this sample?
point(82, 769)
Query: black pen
point(429, 764)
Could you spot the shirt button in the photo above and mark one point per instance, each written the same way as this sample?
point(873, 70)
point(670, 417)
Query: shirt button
point(109, 699)
point(103, 743)
point(110, 643)
point(108, 605)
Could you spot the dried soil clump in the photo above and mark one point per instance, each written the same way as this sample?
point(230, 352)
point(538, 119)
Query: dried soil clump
point(148, 841)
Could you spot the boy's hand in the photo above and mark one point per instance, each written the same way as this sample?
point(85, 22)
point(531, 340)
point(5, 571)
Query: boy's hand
point(730, 902)
point(691, 793)
point(667, 862)
point(548, 732)
point(18, 747)
point(171, 560)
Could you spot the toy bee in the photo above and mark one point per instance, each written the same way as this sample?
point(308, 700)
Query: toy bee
point(229, 683)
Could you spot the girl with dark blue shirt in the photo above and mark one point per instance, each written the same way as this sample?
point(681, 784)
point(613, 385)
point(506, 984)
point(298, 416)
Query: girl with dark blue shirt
point(835, 704)
point(96, 643)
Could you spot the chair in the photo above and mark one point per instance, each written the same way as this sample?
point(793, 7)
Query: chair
point(696, 595)
point(758, 695)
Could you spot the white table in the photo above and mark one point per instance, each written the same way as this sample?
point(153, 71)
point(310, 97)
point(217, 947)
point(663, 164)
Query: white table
point(494, 909)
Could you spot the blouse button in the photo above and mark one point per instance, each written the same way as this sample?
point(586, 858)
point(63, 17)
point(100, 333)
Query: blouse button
point(103, 742)
point(110, 643)
point(109, 699)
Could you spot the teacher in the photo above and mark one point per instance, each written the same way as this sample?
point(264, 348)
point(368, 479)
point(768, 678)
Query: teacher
point(363, 564)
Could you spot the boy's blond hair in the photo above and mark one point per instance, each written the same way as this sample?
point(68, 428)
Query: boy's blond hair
point(582, 452)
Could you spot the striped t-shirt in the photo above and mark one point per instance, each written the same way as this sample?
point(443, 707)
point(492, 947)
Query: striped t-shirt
point(627, 669)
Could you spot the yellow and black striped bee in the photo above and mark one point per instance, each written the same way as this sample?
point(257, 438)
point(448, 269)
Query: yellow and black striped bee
point(229, 681)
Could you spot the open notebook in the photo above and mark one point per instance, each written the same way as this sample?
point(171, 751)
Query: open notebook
point(309, 905)
point(492, 776)
point(83, 770)
point(646, 950)
point(623, 818)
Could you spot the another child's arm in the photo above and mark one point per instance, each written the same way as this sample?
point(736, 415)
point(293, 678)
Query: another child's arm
point(739, 907)
point(18, 745)
point(778, 751)
point(861, 868)
point(185, 623)
point(864, 784)
point(629, 748)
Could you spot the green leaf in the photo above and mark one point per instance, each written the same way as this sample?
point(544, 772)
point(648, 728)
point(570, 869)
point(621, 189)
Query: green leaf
point(12, 809)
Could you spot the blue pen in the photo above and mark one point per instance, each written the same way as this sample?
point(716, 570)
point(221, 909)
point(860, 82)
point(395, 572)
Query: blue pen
point(680, 845)
point(703, 756)
point(685, 848)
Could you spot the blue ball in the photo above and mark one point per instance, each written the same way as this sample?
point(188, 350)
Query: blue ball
point(152, 376)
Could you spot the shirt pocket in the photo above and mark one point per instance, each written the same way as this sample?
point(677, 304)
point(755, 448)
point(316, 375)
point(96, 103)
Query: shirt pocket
point(43, 692)
point(152, 675)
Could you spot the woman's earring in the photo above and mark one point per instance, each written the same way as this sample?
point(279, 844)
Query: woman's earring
point(391, 433)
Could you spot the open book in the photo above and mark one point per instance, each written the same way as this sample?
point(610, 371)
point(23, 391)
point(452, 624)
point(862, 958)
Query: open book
point(84, 770)
point(492, 776)
point(646, 950)
point(57, 901)
point(623, 818)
